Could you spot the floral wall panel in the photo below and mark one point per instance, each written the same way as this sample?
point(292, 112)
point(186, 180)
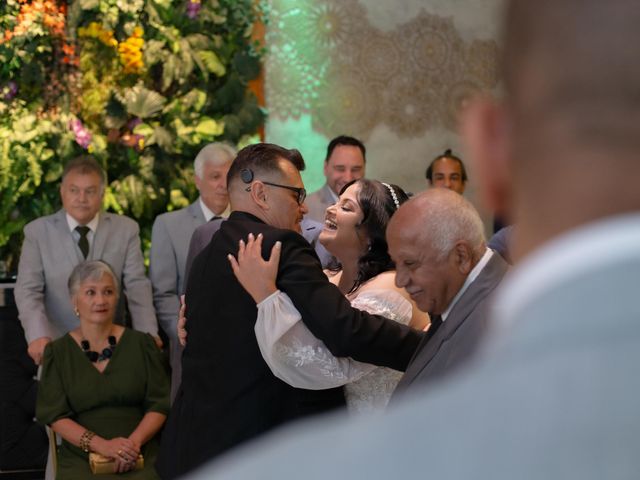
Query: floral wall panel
point(392, 73)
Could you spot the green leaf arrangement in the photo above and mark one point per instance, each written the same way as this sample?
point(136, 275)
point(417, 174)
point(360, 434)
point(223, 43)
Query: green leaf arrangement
point(140, 84)
point(142, 102)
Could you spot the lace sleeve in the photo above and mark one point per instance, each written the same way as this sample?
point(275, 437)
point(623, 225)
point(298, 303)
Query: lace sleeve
point(294, 355)
point(297, 357)
point(388, 303)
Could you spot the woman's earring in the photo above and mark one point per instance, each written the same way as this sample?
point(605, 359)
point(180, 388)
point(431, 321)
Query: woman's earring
point(76, 311)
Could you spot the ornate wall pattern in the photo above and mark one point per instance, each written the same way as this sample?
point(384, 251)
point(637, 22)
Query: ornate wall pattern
point(328, 61)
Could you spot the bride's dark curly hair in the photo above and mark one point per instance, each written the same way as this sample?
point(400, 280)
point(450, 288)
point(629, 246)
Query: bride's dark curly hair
point(378, 205)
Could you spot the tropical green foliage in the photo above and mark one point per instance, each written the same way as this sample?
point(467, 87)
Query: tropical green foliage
point(140, 84)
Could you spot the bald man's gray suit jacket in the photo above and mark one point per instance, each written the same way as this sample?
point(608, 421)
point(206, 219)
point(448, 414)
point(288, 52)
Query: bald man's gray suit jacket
point(49, 254)
point(457, 338)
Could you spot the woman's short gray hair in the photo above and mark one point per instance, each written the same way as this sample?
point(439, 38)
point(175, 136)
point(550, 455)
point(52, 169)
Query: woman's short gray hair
point(90, 270)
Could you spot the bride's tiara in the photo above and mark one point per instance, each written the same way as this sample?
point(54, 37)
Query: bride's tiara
point(393, 194)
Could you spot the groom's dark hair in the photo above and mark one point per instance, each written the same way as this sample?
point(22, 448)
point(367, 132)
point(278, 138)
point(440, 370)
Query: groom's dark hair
point(261, 158)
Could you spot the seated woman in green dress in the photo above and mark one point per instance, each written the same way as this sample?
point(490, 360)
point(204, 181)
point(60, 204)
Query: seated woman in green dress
point(104, 388)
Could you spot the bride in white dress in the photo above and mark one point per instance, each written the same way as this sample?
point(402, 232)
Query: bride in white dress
point(354, 233)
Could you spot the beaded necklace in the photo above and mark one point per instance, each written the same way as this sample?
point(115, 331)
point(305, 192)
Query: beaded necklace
point(94, 356)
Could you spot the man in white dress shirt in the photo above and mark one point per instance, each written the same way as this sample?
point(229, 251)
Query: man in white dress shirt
point(170, 239)
point(556, 393)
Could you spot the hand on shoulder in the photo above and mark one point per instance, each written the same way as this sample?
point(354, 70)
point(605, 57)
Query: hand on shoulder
point(256, 275)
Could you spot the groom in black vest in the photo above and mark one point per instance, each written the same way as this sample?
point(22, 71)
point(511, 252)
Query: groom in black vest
point(228, 394)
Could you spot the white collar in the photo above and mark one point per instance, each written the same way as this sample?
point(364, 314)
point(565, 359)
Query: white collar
point(208, 213)
point(571, 255)
point(73, 223)
point(468, 281)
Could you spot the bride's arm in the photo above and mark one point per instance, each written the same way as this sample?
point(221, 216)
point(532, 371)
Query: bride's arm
point(292, 352)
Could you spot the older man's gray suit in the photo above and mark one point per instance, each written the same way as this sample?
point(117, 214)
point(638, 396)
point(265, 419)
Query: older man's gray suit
point(457, 338)
point(170, 239)
point(317, 203)
point(49, 254)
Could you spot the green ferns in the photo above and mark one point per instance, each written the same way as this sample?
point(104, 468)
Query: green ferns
point(141, 85)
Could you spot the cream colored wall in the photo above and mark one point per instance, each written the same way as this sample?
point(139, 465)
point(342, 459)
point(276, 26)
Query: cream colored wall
point(344, 66)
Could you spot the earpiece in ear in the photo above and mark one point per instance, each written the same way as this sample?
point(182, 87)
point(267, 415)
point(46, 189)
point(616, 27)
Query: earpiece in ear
point(246, 175)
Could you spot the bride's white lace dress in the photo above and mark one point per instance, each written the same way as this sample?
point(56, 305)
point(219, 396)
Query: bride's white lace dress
point(300, 359)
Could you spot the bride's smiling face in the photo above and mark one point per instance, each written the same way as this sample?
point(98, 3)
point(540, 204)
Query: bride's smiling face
point(341, 234)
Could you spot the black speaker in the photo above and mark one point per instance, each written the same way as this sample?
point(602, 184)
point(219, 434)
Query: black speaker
point(23, 442)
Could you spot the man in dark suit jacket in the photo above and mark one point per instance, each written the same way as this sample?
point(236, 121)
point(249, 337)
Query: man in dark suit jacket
point(437, 242)
point(228, 394)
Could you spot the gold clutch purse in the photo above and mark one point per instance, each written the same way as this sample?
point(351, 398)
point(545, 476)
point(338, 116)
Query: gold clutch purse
point(100, 464)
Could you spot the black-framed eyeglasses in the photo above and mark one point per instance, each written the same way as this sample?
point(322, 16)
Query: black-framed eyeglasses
point(301, 192)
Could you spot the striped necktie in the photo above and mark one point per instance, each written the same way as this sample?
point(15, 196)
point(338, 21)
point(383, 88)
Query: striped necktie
point(83, 243)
